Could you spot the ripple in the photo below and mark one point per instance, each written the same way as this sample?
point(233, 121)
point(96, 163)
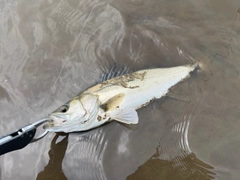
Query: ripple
point(174, 159)
point(175, 141)
point(193, 168)
point(38, 36)
point(85, 156)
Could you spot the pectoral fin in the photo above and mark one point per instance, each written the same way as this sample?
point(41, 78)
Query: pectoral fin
point(113, 103)
point(128, 116)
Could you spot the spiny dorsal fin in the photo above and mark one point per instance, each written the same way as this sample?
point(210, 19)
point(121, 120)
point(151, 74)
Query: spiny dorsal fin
point(113, 71)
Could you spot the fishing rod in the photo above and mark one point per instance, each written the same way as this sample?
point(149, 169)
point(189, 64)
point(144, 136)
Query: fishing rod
point(21, 138)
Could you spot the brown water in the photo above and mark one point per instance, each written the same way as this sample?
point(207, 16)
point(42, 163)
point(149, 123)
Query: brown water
point(191, 134)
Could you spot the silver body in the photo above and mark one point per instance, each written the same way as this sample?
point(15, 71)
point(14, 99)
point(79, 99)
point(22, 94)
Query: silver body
point(117, 99)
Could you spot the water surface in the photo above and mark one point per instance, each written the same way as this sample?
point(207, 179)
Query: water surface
point(51, 50)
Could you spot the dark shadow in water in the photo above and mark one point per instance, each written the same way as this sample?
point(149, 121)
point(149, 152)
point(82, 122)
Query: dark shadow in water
point(181, 167)
point(53, 170)
point(173, 158)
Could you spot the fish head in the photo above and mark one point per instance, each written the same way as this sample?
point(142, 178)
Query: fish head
point(76, 115)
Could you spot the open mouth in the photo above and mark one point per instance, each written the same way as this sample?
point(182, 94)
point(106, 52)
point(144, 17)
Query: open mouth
point(54, 122)
point(48, 125)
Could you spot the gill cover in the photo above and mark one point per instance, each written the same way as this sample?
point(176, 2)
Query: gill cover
point(81, 112)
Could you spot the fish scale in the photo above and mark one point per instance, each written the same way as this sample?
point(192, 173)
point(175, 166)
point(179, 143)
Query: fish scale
point(116, 99)
point(155, 84)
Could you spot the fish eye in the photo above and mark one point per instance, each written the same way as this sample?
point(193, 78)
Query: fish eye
point(64, 108)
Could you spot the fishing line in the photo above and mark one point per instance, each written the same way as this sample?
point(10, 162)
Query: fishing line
point(53, 84)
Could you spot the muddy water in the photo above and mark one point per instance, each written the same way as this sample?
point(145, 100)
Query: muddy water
point(52, 50)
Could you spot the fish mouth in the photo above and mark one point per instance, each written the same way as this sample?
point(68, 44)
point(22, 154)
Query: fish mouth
point(58, 124)
point(54, 122)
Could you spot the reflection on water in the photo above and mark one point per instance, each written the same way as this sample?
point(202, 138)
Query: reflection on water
point(173, 159)
point(182, 168)
point(53, 170)
point(175, 143)
point(85, 153)
point(195, 129)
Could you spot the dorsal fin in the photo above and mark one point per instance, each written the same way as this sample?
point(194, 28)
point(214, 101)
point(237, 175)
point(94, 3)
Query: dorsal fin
point(114, 71)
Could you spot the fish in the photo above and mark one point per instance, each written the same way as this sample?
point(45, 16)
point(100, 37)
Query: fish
point(116, 99)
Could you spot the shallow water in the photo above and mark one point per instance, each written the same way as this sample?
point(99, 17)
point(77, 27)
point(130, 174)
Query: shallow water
point(193, 133)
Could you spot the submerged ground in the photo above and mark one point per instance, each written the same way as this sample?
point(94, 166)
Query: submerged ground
point(193, 133)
